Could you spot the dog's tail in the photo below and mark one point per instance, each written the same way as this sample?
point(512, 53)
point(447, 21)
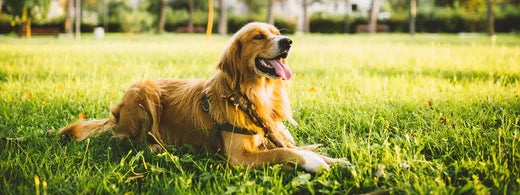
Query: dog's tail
point(82, 129)
point(137, 116)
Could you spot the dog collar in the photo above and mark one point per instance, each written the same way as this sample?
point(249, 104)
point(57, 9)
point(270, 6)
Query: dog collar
point(222, 127)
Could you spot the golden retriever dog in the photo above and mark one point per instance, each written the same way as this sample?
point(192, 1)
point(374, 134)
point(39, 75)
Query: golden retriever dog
point(177, 112)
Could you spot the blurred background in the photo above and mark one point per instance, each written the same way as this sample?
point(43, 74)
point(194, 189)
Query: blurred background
point(54, 17)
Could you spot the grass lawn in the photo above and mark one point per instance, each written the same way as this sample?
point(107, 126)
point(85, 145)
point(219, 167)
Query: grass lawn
point(431, 114)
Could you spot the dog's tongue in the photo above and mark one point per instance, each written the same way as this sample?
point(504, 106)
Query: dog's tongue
point(281, 69)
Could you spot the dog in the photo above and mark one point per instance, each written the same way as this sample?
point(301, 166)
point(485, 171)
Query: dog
point(204, 113)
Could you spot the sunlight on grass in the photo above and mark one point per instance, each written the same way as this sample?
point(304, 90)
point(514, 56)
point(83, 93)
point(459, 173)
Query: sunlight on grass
point(430, 114)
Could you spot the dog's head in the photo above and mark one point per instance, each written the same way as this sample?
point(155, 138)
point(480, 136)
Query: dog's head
point(257, 50)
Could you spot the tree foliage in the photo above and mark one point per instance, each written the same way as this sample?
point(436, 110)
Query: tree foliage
point(34, 8)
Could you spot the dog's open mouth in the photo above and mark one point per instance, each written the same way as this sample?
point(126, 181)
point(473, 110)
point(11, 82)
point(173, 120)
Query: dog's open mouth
point(274, 67)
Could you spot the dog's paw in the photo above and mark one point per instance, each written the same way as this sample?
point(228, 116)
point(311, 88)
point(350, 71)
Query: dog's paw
point(313, 163)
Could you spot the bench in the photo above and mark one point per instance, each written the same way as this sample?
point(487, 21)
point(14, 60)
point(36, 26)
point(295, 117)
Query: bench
point(195, 29)
point(380, 28)
point(40, 31)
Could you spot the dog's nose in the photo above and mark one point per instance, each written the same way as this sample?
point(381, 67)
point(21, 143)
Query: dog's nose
point(285, 43)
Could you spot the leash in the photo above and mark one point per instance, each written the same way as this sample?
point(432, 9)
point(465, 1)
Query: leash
point(224, 127)
point(245, 105)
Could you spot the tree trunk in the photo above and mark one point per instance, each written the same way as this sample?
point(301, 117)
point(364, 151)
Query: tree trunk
point(28, 24)
point(222, 21)
point(374, 10)
point(348, 11)
point(270, 12)
point(78, 19)
point(413, 12)
point(306, 25)
point(490, 18)
point(68, 17)
point(1, 2)
point(28, 28)
point(190, 18)
point(162, 13)
point(209, 28)
point(26, 17)
point(105, 15)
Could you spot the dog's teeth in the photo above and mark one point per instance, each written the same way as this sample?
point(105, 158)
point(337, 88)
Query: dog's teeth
point(263, 63)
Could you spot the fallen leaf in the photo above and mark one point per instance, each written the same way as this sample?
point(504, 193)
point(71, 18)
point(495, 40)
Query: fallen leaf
point(59, 87)
point(444, 121)
point(27, 96)
point(37, 180)
point(82, 116)
point(428, 104)
point(313, 90)
point(129, 179)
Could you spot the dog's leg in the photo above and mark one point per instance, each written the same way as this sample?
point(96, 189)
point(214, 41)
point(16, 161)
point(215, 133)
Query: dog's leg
point(309, 161)
point(284, 132)
point(242, 150)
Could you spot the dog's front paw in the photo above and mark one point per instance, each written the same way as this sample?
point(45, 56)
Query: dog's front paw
point(313, 162)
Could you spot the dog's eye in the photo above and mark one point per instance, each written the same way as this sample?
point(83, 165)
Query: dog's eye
point(259, 37)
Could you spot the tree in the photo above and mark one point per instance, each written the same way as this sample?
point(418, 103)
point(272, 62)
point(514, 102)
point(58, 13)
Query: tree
point(68, 16)
point(270, 12)
point(253, 6)
point(222, 19)
point(190, 16)
point(105, 15)
point(490, 18)
point(306, 24)
point(374, 10)
point(348, 11)
point(27, 10)
point(305, 6)
point(78, 19)
point(413, 12)
point(162, 16)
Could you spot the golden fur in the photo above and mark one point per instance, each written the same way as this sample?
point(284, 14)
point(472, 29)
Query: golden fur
point(170, 109)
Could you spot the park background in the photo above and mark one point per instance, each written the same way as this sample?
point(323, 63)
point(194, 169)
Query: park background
point(433, 113)
point(315, 16)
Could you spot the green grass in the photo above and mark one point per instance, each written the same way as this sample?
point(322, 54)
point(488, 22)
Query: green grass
point(431, 114)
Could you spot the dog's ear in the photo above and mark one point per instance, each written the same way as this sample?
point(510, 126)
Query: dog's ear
point(230, 62)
